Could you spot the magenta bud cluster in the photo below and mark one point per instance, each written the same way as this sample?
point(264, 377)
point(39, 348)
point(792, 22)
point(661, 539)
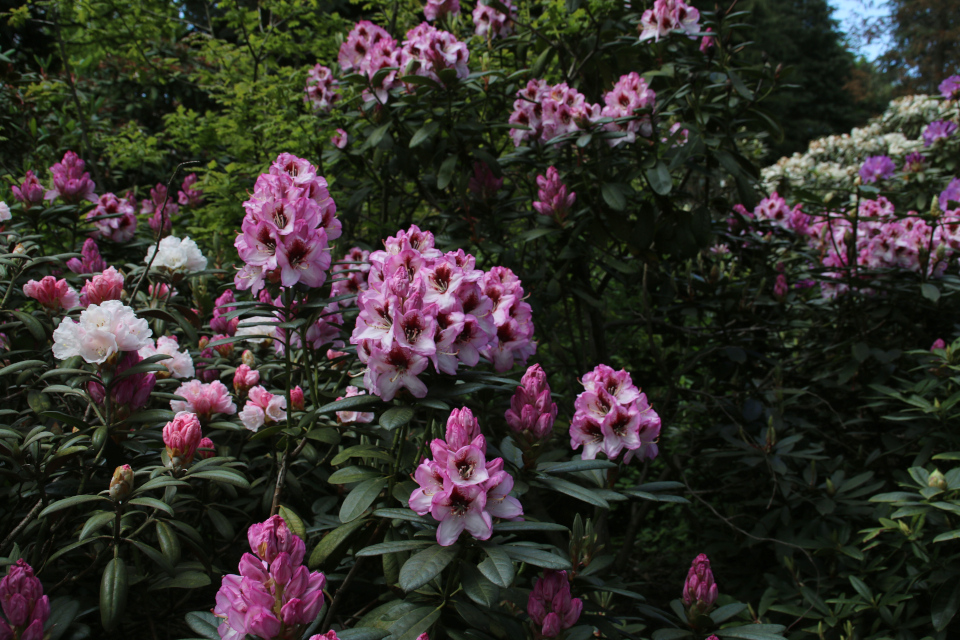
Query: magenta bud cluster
point(550, 605)
point(275, 596)
point(699, 590)
point(25, 606)
point(532, 412)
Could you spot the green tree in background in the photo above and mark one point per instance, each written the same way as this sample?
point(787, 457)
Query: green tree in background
point(925, 43)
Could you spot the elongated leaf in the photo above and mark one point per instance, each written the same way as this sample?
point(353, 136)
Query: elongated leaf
point(185, 580)
point(423, 567)
point(425, 132)
point(536, 557)
point(445, 174)
point(414, 623)
point(659, 178)
point(70, 502)
point(393, 547)
point(20, 366)
point(294, 522)
point(946, 601)
point(204, 623)
point(360, 499)
point(477, 587)
point(96, 521)
point(613, 196)
point(349, 404)
point(726, 612)
point(349, 475)
point(113, 593)
point(32, 325)
point(505, 527)
point(396, 417)
point(574, 465)
point(575, 491)
point(225, 476)
point(334, 543)
point(498, 567)
point(152, 503)
point(361, 451)
point(169, 542)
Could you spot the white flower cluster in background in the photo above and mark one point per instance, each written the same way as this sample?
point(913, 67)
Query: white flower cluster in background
point(103, 330)
point(177, 256)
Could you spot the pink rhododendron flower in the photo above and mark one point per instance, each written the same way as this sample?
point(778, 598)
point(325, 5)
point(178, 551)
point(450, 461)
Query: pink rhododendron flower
point(321, 89)
point(555, 200)
point(489, 22)
point(340, 139)
point(948, 195)
point(359, 43)
point(262, 408)
point(274, 596)
point(178, 365)
point(550, 605)
point(289, 220)
point(296, 398)
point(877, 168)
point(939, 130)
point(244, 378)
point(667, 16)
point(629, 95)
point(129, 393)
point(105, 286)
point(159, 206)
point(30, 192)
point(427, 50)
point(182, 436)
point(70, 181)
point(221, 308)
point(434, 9)
point(612, 416)
point(90, 260)
point(188, 196)
point(348, 417)
point(24, 604)
point(937, 345)
point(459, 487)
point(483, 182)
point(332, 635)
point(950, 87)
point(113, 219)
point(781, 287)
point(699, 590)
point(353, 278)
point(204, 399)
point(531, 411)
point(550, 112)
point(914, 162)
point(206, 449)
point(55, 295)
point(5, 212)
point(102, 331)
point(707, 42)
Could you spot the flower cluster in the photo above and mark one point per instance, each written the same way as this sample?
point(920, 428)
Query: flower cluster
point(459, 488)
point(113, 219)
point(262, 408)
point(321, 89)
point(102, 287)
point(667, 16)
point(630, 94)
point(939, 130)
point(182, 437)
point(484, 183)
point(290, 218)
point(178, 365)
point(244, 379)
point(70, 181)
point(550, 606)
point(531, 411)
point(427, 51)
point(160, 208)
point(188, 196)
point(348, 417)
point(877, 168)
point(102, 331)
point(30, 192)
point(55, 295)
point(275, 596)
point(128, 393)
point(613, 415)
point(699, 590)
point(556, 200)
point(950, 88)
point(490, 22)
point(367, 50)
point(435, 9)
point(354, 278)
point(550, 112)
point(425, 307)
point(24, 604)
point(914, 162)
point(176, 256)
point(948, 195)
point(89, 261)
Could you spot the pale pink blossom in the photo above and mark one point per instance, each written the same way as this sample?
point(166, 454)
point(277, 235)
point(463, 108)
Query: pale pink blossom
point(55, 295)
point(182, 436)
point(262, 408)
point(340, 139)
point(203, 399)
point(102, 331)
point(244, 378)
point(667, 16)
point(105, 286)
point(490, 22)
point(113, 219)
point(179, 364)
point(348, 417)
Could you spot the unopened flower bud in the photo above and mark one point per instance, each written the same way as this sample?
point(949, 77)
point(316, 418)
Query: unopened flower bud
point(699, 590)
point(296, 398)
point(204, 341)
point(122, 483)
point(248, 359)
point(937, 480)
point(182, 436)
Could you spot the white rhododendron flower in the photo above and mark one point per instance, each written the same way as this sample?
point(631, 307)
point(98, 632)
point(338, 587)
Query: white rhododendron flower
point(4, 212)
point(177, 256)
point(179, 364)
point(258, 327)
point(102, 331)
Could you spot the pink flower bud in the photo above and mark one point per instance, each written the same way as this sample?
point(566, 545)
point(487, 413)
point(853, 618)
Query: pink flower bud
point(70, 181)
point(555, 200)
point(531, 409)
point(55, 295)
point(938, 344)
point(105, 286)
point(22, 599)
point(245, 378)
point(122, 482)
point(462, 428)
point(340, 139)
point(225, 349)
point(296, 398)
point(30, 191)
point(271, 538)
point(182, 436)
point(699, 590)
point(248, 358)
point(550, 606)
point(707, 42)
point(332, 635)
